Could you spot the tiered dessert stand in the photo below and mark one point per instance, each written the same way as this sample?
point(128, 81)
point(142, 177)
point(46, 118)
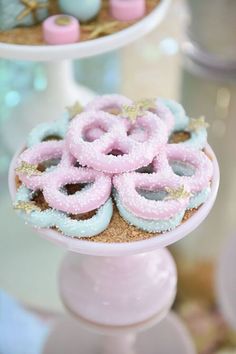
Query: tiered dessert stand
point(62, 90)
point(119, 290)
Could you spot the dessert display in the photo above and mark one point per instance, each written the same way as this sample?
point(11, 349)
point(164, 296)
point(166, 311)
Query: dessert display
point(110, 171)
point(21, 20)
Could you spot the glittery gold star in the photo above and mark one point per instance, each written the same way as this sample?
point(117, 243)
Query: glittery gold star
point(28, 169)
point(31, 6)
point(130, 112)
point(75, 109)
point(137, 108)
point(175, 194)
point(198, 123)
point(101, 29)
point(147, 103)
point(27, 207)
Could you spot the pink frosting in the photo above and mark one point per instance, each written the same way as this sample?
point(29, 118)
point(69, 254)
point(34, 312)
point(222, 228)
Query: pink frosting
point(116, 137)
point(51, 182)
point(128, 184)
point(197, 159)
point(37, 155)
point(83, 201)
point(106, 102)
point(127, 10)
point(54, 33)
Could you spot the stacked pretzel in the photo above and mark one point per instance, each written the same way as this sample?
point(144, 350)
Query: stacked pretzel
point(117, 151)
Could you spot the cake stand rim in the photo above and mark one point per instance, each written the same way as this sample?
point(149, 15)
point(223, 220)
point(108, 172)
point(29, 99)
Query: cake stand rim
point(135, 247)
point(87, 48)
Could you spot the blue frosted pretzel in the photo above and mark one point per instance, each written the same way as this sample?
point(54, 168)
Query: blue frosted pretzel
point(54, 218)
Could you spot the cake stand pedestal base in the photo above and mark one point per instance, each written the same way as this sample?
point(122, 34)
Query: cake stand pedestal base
point(167, 337)
point(120, 306)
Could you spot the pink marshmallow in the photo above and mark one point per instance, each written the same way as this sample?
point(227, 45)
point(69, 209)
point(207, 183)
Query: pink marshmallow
point(127, 10)
point(61, 29)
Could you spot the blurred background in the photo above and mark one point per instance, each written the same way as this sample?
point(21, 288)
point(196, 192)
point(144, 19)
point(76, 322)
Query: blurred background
point(190, 57)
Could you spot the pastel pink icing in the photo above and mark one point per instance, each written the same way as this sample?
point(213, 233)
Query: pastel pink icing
point(116, 137)
point(195, 158)
point(106, 102)
point(38, 154)
point(127, 186)
point(54, 33)
point(127, 10)
point(83, 201)
point(51, 183)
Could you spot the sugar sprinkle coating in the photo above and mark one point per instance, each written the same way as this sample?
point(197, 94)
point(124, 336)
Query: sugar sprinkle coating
point(98, 154)
point(120, 143)
point(62, 221)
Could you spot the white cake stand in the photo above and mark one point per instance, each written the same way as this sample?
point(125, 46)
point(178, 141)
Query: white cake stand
point(62, 90)
point(117, 290)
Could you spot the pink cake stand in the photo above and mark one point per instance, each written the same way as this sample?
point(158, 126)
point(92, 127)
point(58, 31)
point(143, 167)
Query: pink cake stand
point(118, 290)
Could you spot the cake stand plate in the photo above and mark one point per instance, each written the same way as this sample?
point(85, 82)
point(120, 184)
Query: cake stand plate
point(87, 48)
point(169, 336)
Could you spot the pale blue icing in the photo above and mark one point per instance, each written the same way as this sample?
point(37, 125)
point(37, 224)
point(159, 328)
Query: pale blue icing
point(199, 198)
point(185, 169)
point(11, 9)
point(198, 139)
point(182, 168)
point(54, 218)
point(58, 127)
point(148, 225)
point(181, 119)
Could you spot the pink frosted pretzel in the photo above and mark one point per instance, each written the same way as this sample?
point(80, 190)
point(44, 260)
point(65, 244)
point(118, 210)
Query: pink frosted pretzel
point(36, 155)
point(115, 151)
point(89, 198)
point(128, 185)
point(107, 103)
point(51, 183)
point(160, 111)
point(195, 159)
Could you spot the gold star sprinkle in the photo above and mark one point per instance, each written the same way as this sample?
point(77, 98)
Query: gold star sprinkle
point(31, 6)
point(28, 169)
point(147, 103)
point(175, 194)
point(77, 108)
point(100, 29)
point(198, 123)
point(138, 108)
point(27, 207)
point(130, 112)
